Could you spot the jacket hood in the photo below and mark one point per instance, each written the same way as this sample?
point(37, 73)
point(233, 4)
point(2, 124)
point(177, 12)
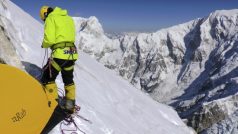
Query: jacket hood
point(59, 11)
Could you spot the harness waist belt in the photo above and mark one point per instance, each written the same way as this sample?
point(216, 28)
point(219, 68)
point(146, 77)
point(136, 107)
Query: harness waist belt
point(62, 45)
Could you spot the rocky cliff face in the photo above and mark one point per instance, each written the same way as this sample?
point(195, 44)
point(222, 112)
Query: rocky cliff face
point(189, 66)
point(8, 53)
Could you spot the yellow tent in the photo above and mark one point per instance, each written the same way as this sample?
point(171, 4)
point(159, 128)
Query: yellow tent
point(24, 106)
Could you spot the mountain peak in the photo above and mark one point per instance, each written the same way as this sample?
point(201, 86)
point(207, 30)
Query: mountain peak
point(220, 15)
point(89, 25)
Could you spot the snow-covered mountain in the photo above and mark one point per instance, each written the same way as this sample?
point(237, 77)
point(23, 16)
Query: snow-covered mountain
point(191, 66)
point(111, 103)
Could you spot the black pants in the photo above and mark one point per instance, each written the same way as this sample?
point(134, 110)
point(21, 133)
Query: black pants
point(50, 73)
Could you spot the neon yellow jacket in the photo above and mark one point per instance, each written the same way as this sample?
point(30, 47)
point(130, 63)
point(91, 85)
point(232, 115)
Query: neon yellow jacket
point(59, 28)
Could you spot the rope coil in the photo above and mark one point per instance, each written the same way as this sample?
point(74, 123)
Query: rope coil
point(69, 121)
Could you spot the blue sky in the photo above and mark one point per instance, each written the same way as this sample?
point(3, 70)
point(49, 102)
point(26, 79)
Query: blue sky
point(133, 15)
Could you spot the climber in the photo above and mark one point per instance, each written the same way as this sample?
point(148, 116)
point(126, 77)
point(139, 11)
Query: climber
point(59, 36)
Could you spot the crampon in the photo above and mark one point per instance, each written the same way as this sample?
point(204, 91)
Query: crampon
point(69, 126)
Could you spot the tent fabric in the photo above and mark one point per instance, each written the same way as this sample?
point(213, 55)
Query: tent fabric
point(25, 107)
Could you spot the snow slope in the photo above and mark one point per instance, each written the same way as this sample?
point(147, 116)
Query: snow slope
point(112, 104)
point(115, 106)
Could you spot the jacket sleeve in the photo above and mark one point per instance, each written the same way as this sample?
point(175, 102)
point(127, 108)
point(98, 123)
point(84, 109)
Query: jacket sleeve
point(49, 33)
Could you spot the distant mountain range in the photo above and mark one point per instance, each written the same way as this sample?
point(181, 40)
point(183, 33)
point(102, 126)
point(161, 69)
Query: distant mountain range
point(190, 66)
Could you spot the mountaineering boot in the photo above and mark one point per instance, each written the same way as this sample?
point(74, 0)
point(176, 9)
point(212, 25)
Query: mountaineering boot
point(51, 88)
point(70, 98)
point(70, 106)
point(70, 92)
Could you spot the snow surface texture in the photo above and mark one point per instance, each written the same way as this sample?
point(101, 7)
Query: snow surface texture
point(111, 103)
point(186, 66)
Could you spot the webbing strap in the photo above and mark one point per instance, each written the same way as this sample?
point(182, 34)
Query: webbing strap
point(56, 65)
point(58, 68)
point(62, 45)
point(69, 68)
